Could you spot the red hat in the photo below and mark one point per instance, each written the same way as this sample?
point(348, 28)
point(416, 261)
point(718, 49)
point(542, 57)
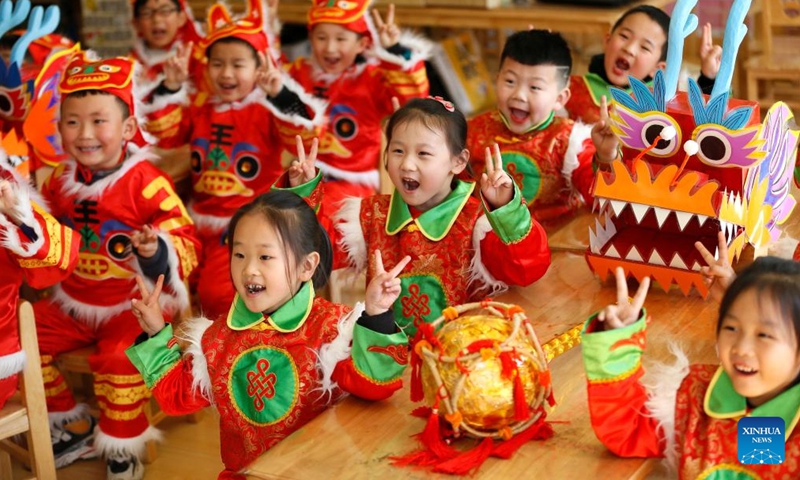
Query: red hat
point(112, 75)
point(348, 13)
point(249, 28)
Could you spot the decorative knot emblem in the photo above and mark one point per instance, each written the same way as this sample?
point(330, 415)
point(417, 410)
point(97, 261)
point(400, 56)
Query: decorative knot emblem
point(415, 305)
point(261, 384)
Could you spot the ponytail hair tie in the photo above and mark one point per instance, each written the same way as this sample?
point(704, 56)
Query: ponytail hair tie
point(447, 105)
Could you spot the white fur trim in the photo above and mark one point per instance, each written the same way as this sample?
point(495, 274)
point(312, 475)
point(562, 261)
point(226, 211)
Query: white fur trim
point(90, 315)
point(347, 220)
point(12, 363)
point(580, 133)
point(318, 106)
point(11, 237)
point(208, 223)
point(478, 271)
point(319, 75)
point(330, 354)
point(82, 191)
point(193, 330)
point(60, 418)
point(369, 177)
point(176, 297)
point(421, 48)
point(662, 382)
point(106, 445)
point(181, 97)
point(150, 57)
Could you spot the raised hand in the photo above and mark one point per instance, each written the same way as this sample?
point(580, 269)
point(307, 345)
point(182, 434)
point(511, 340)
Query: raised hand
point(145, 241)
point(395, 104)
point(388, 31)
point(626, 311)
point(147, 310)
point(8, 198)
point(268, 76)
point(302, 169)
point(710, 54)
point(176, 69)
point(718, 273)
point(497, 187)
point(384, 288)
point(603, 137)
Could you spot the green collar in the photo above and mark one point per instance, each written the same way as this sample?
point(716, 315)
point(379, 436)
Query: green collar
point(597, 87)
point(539, 126)
point(288, 318)
point(436, 222)
point(722, 401)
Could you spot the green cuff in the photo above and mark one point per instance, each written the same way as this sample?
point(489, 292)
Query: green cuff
point(613, 355)
point(376, 355)
point(512, 221)
point(155, 357)
point(304, 190)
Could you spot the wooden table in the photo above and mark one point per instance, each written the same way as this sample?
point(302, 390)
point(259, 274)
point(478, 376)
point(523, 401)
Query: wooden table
point(353, 439)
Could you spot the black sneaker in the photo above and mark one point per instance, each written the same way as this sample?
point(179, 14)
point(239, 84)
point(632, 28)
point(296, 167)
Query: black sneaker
point(120, 466)
point(73, 441)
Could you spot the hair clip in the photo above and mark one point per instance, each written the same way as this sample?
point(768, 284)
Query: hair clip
point(447, 105)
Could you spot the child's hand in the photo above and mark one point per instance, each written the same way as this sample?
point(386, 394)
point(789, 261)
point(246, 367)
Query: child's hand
point(147, 310)
point(626, 311)
point(268, 76)
point(8, 199)
point(302, 170)
point(710, 54)
point(384, 288)
point(395, 104)
point(388, 32)
point(605, 142)
point(145, 241)
point(718, 274)
point(176, 69)
point(497, 187)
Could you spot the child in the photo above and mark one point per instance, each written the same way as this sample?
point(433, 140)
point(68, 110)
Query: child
point(461, 247)
point(131, 223)
point(357, 67)
point(236, 138)
point(549, 157)
point(35, 248)
point(275, 360)
point(637, 47)
point(758, 343)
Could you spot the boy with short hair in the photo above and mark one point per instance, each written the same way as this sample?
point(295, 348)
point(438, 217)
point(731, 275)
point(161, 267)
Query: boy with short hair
point(637, 47)
point(131, 223)
point(549, 157)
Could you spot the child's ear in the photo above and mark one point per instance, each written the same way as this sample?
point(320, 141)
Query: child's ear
point(307, 267)
point(562, 98)
point(363, 43)
point(461, 161)
point(129, 128)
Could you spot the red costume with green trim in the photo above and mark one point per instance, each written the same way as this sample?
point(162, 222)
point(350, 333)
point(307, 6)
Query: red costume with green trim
point(585, 93)
point(551, 164)
point(39, 251)
point(690, 417)
point(267, 376)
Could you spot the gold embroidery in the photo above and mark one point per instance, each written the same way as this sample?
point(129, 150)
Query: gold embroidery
point(52, 392)
point(122, 396)
point(118, 415)
point(118, 379)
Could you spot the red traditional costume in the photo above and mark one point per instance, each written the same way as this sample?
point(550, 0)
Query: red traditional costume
point(690, 416)
point(359, 99)
point(551, 164)
point(267, 376)
point(236, 150)
point(92, 306)
point(39, 251)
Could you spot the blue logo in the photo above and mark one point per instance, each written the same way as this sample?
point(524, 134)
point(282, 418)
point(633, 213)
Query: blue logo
point(762, 440)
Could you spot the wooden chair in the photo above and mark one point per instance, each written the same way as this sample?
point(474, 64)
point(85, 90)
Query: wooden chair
point(27, 412)
point(774, 75)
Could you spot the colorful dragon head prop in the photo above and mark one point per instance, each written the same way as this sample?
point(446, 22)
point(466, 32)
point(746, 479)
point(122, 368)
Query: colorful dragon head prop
point(692, 165)
point(28, 90)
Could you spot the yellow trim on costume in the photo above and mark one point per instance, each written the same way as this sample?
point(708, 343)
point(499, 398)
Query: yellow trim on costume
point(121, 416)
point(727, 467)
point(122, 395)
point(170, 202)
point(118, 379)
point(373, 380)
point(52, 392)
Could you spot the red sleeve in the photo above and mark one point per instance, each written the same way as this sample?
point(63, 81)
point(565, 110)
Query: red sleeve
point(519, 263)
point(174, 391)
point(583, 176)
point(353, 382)
point(57, 256)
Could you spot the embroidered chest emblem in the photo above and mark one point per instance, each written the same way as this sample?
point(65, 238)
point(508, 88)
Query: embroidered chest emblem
point(422, 299)
point(415, 304)
point(263, 385)
point(525, 172)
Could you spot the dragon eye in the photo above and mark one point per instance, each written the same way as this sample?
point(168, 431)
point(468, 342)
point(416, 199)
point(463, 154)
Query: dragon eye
point(6, 105)
point(652, 129)
point(247, 167)
point(74, 70)
point(196, 162)
point(715, 148)
point(119, 246)
point(345, 128)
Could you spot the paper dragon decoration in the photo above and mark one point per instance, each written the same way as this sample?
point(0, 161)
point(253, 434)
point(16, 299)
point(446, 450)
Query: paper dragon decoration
point(691, 166)
point(29, 92)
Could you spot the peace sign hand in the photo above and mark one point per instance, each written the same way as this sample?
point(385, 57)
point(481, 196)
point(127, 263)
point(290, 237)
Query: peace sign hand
point(384, 288)
point(302, 169)
point(497, 187)
point(145, 241)
point(710, 54)
point(176, 68)
point(603, 137)
point(147, 310)
point(718, 273)
point(268, 76)
point(388, 32)
point(626, 311)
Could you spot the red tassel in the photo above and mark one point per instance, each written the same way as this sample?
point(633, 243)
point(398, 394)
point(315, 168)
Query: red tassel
point(432, 440)
point(540, 430)
point(468, 461)
point(421, 412)
point(418, 458)
point(416, 375)
point(522, 411)
point(509, 366)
